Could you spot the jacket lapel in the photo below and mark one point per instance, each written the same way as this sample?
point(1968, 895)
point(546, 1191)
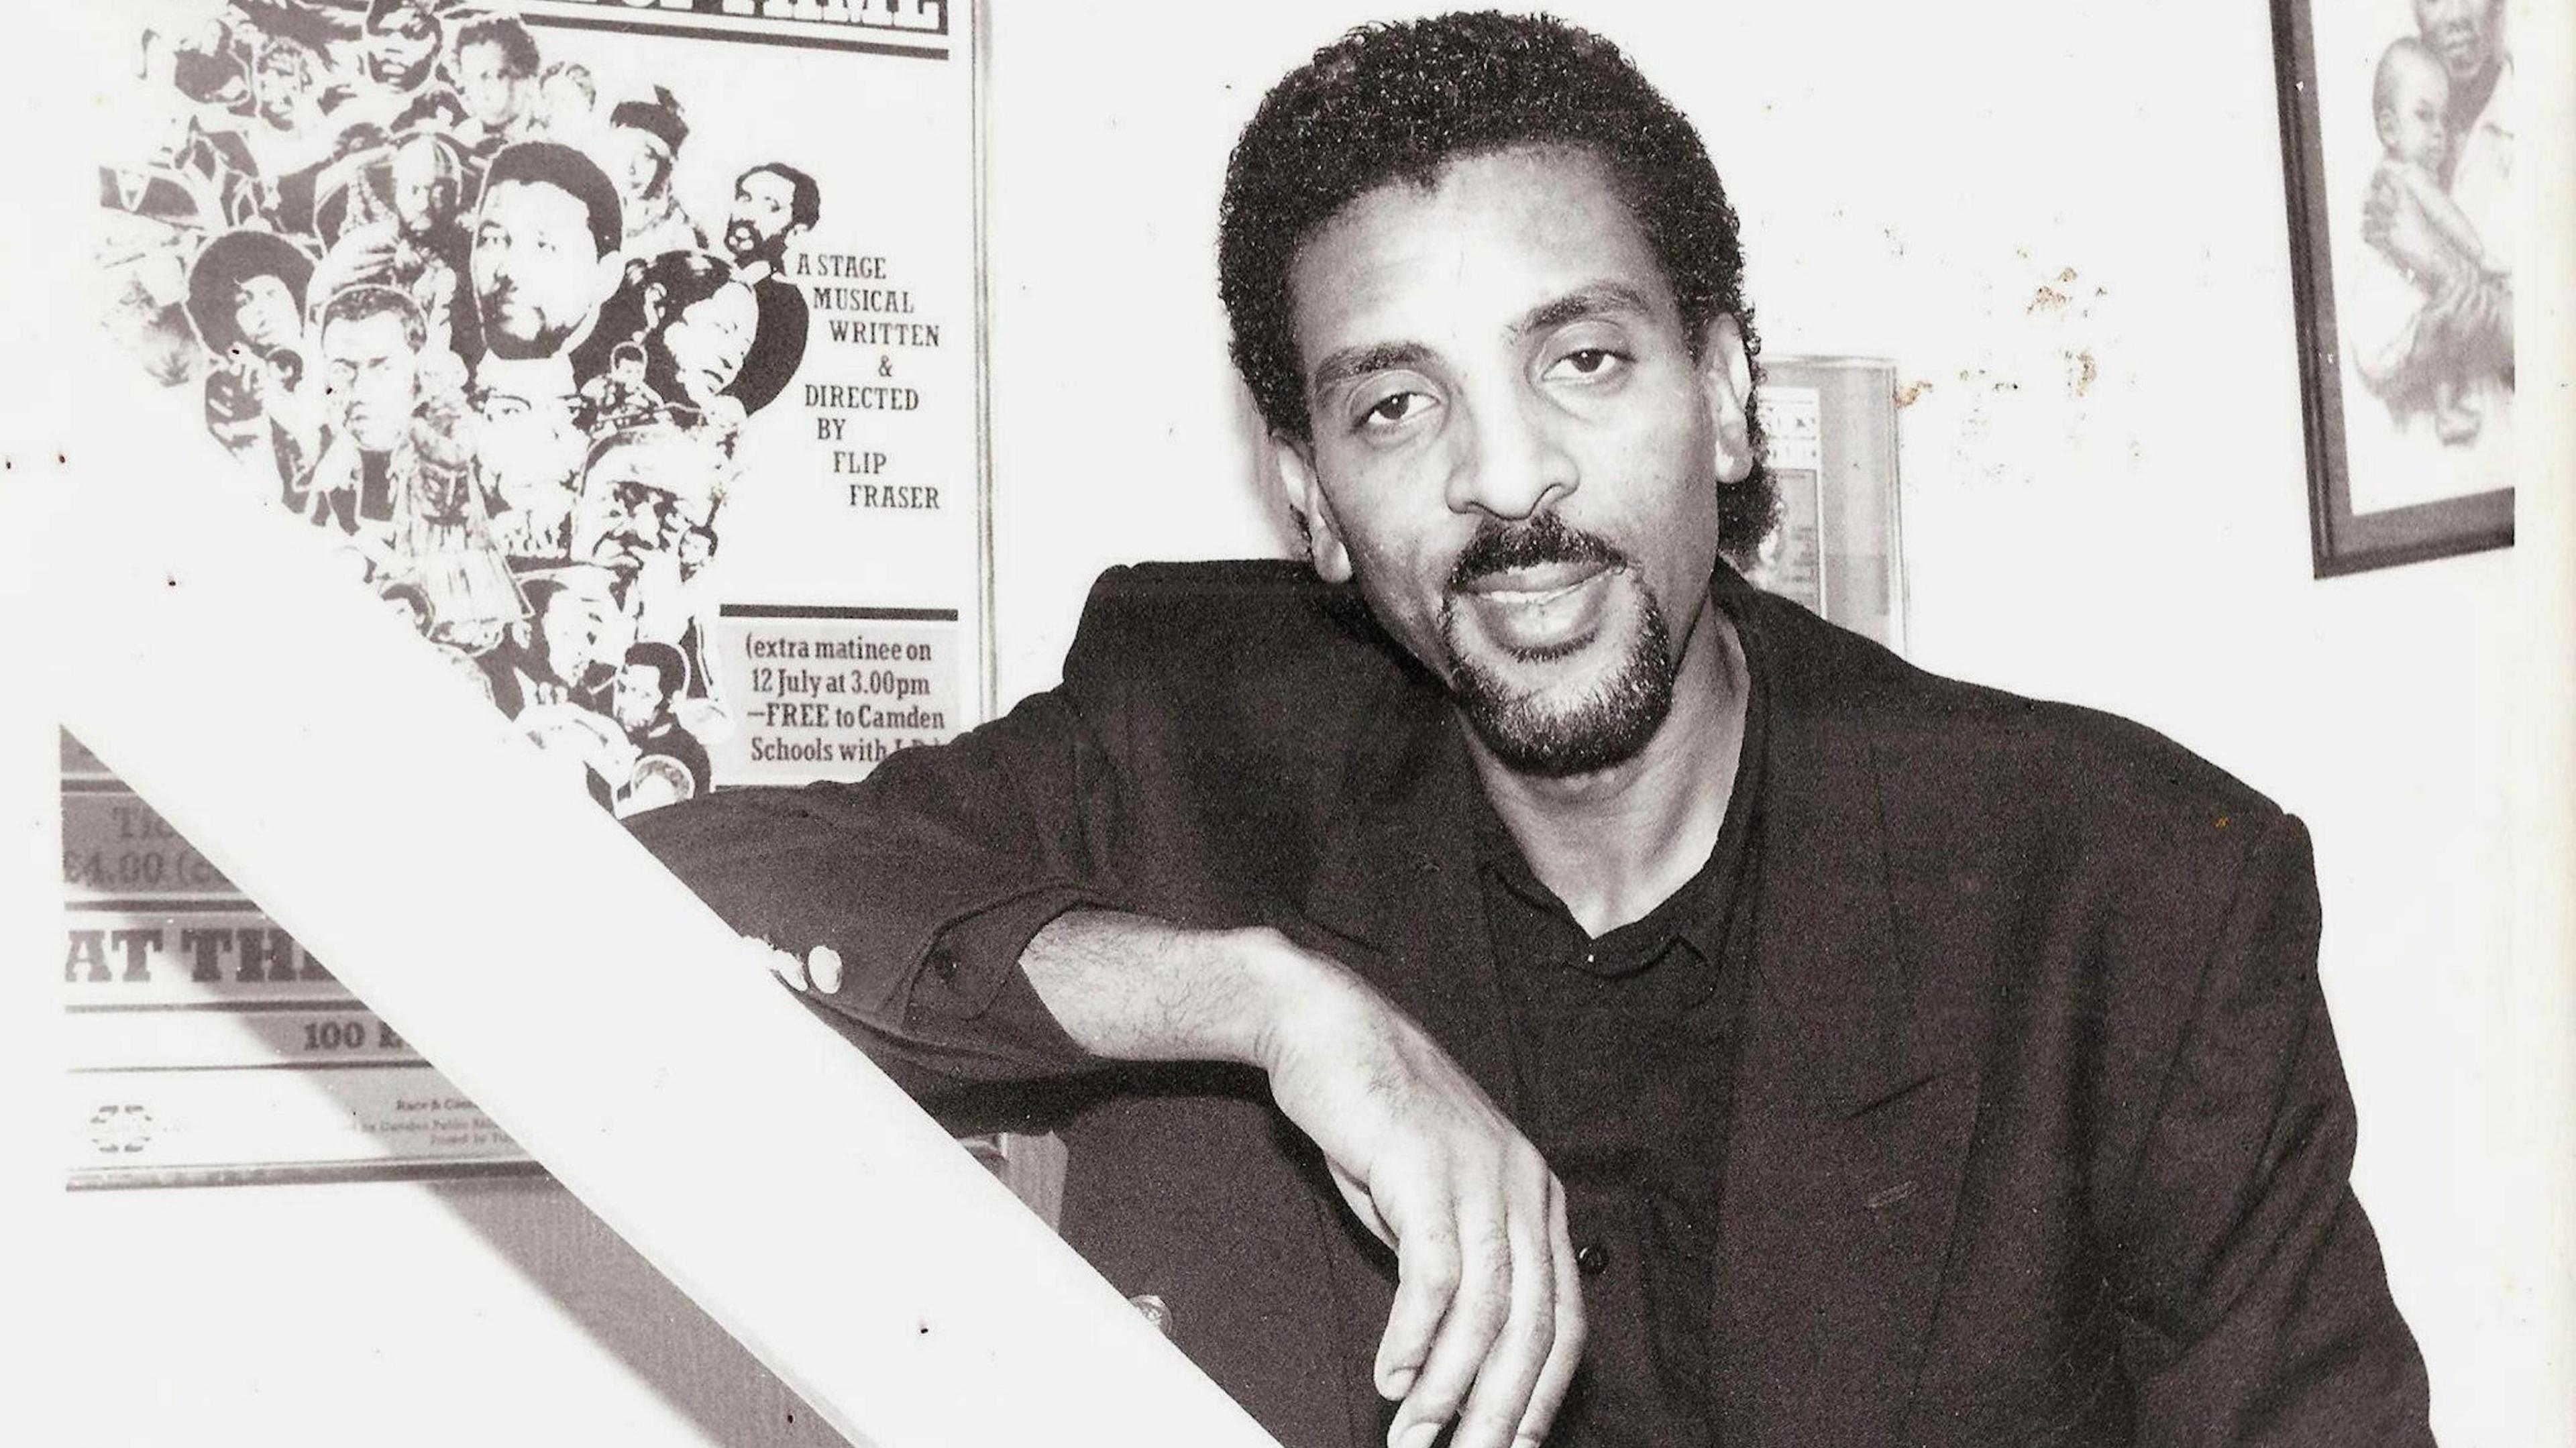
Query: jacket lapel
point(1851, 1125)
point(1395, 886)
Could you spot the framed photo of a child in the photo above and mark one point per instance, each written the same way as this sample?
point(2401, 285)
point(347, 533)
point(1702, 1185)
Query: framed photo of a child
point(2397, 136)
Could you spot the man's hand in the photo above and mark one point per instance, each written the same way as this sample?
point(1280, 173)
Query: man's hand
point(1487, 1325)
point(1488, 1318)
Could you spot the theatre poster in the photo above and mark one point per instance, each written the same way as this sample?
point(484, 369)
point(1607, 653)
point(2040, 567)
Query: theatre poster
point(632, 354)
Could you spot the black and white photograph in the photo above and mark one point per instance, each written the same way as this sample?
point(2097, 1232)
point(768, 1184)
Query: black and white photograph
point(782, 723)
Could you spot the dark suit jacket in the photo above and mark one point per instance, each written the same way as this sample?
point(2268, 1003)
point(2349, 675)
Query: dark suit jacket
point(2039, 1136)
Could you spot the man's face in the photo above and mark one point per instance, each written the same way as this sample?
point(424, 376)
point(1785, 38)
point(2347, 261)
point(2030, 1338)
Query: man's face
point(764, 207)
point(374, 375)
point(421, 202)
point(401, 43)
point(632, 505)
point(2462, 32)
point(1514, 450)
point(707, 342)
point(492, 92)
point(581, 632)
point(264, 311)
point(638, 696)
point(536, 271)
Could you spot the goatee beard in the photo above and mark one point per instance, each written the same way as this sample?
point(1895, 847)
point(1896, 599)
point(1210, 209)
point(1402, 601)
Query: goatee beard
point(1610, 722)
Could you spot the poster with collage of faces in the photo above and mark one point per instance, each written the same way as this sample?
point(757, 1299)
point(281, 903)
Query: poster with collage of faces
point(630, 354)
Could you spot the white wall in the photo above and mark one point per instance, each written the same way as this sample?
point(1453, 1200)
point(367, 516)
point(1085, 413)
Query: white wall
point(1909, 176)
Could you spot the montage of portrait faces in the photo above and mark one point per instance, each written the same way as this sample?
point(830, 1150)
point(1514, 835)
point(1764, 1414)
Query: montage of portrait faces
point(630, 356)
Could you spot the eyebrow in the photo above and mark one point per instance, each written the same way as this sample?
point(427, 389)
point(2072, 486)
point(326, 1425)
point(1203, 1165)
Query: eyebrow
point(1595, 300)
point(1600, 299)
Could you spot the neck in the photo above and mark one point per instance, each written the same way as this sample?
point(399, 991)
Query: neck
point(1616, 843)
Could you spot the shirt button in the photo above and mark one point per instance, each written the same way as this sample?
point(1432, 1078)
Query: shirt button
point(1591, 1258)
point(942, 964)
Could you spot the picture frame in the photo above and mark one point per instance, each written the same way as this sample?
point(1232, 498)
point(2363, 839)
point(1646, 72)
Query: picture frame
point(2405, 359)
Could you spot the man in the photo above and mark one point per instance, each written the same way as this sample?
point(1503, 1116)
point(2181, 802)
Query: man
point(553, 672)
point(543, 238)
point(1733, 1034)
point(646, 491)
point(774, 206)
point(544, 258)
point(566, 650)
point(496, 73)
point(410, 235)
point(371, 338)
point(671, 765)
point(390, 468)
point(402, 40)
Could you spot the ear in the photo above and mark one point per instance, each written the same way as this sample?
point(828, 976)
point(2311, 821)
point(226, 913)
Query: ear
point(1726, 381)
point(1313, 511)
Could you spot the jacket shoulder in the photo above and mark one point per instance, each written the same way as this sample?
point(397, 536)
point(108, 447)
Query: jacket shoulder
point(1249, 642)
point(2081, 763)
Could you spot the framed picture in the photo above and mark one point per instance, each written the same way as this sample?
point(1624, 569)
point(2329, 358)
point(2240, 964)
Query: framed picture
point(2397, 126)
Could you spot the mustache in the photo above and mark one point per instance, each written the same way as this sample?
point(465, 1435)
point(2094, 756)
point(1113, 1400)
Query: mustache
point(1544, 538)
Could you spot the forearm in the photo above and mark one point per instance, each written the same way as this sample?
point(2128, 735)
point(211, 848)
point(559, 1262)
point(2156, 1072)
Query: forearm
point(1134, 988)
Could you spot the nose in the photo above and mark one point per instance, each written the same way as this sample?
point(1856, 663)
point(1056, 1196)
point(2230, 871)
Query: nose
point(1513, 463)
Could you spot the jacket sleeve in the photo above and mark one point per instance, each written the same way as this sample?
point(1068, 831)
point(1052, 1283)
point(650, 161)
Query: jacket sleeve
point(2255, 1309)
point(928, 878)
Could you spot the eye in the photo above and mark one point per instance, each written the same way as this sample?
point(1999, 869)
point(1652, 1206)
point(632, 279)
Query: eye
point(1589, 362)
point(1394, 408)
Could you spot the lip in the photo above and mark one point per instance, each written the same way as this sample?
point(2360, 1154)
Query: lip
point(1540, 613)
point(1535, 584)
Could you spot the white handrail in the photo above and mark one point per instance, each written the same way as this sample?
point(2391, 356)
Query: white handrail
point(369, 800)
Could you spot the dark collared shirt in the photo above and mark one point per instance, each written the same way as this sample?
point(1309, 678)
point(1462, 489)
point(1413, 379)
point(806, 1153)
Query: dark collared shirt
point(1623, 1051)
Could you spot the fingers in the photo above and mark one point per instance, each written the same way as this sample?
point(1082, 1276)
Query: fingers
point(1512, 1362)
point(1566, 1353)
point(1501, 1350)
point(1478, 1305)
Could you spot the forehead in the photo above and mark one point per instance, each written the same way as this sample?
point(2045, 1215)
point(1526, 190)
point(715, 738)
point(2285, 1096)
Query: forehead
point(732, 302)
point(2418, 69)
point(420, 159)
point(259, 284)
point(767, 186)
point(535, 205)
point(376, 334)
point(1462, 260)
point(654, 467)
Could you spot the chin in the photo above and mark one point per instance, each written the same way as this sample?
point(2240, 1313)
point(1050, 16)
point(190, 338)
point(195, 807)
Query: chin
point(1554, 721)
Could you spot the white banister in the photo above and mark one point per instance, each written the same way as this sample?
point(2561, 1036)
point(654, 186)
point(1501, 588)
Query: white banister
point(358, 790)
